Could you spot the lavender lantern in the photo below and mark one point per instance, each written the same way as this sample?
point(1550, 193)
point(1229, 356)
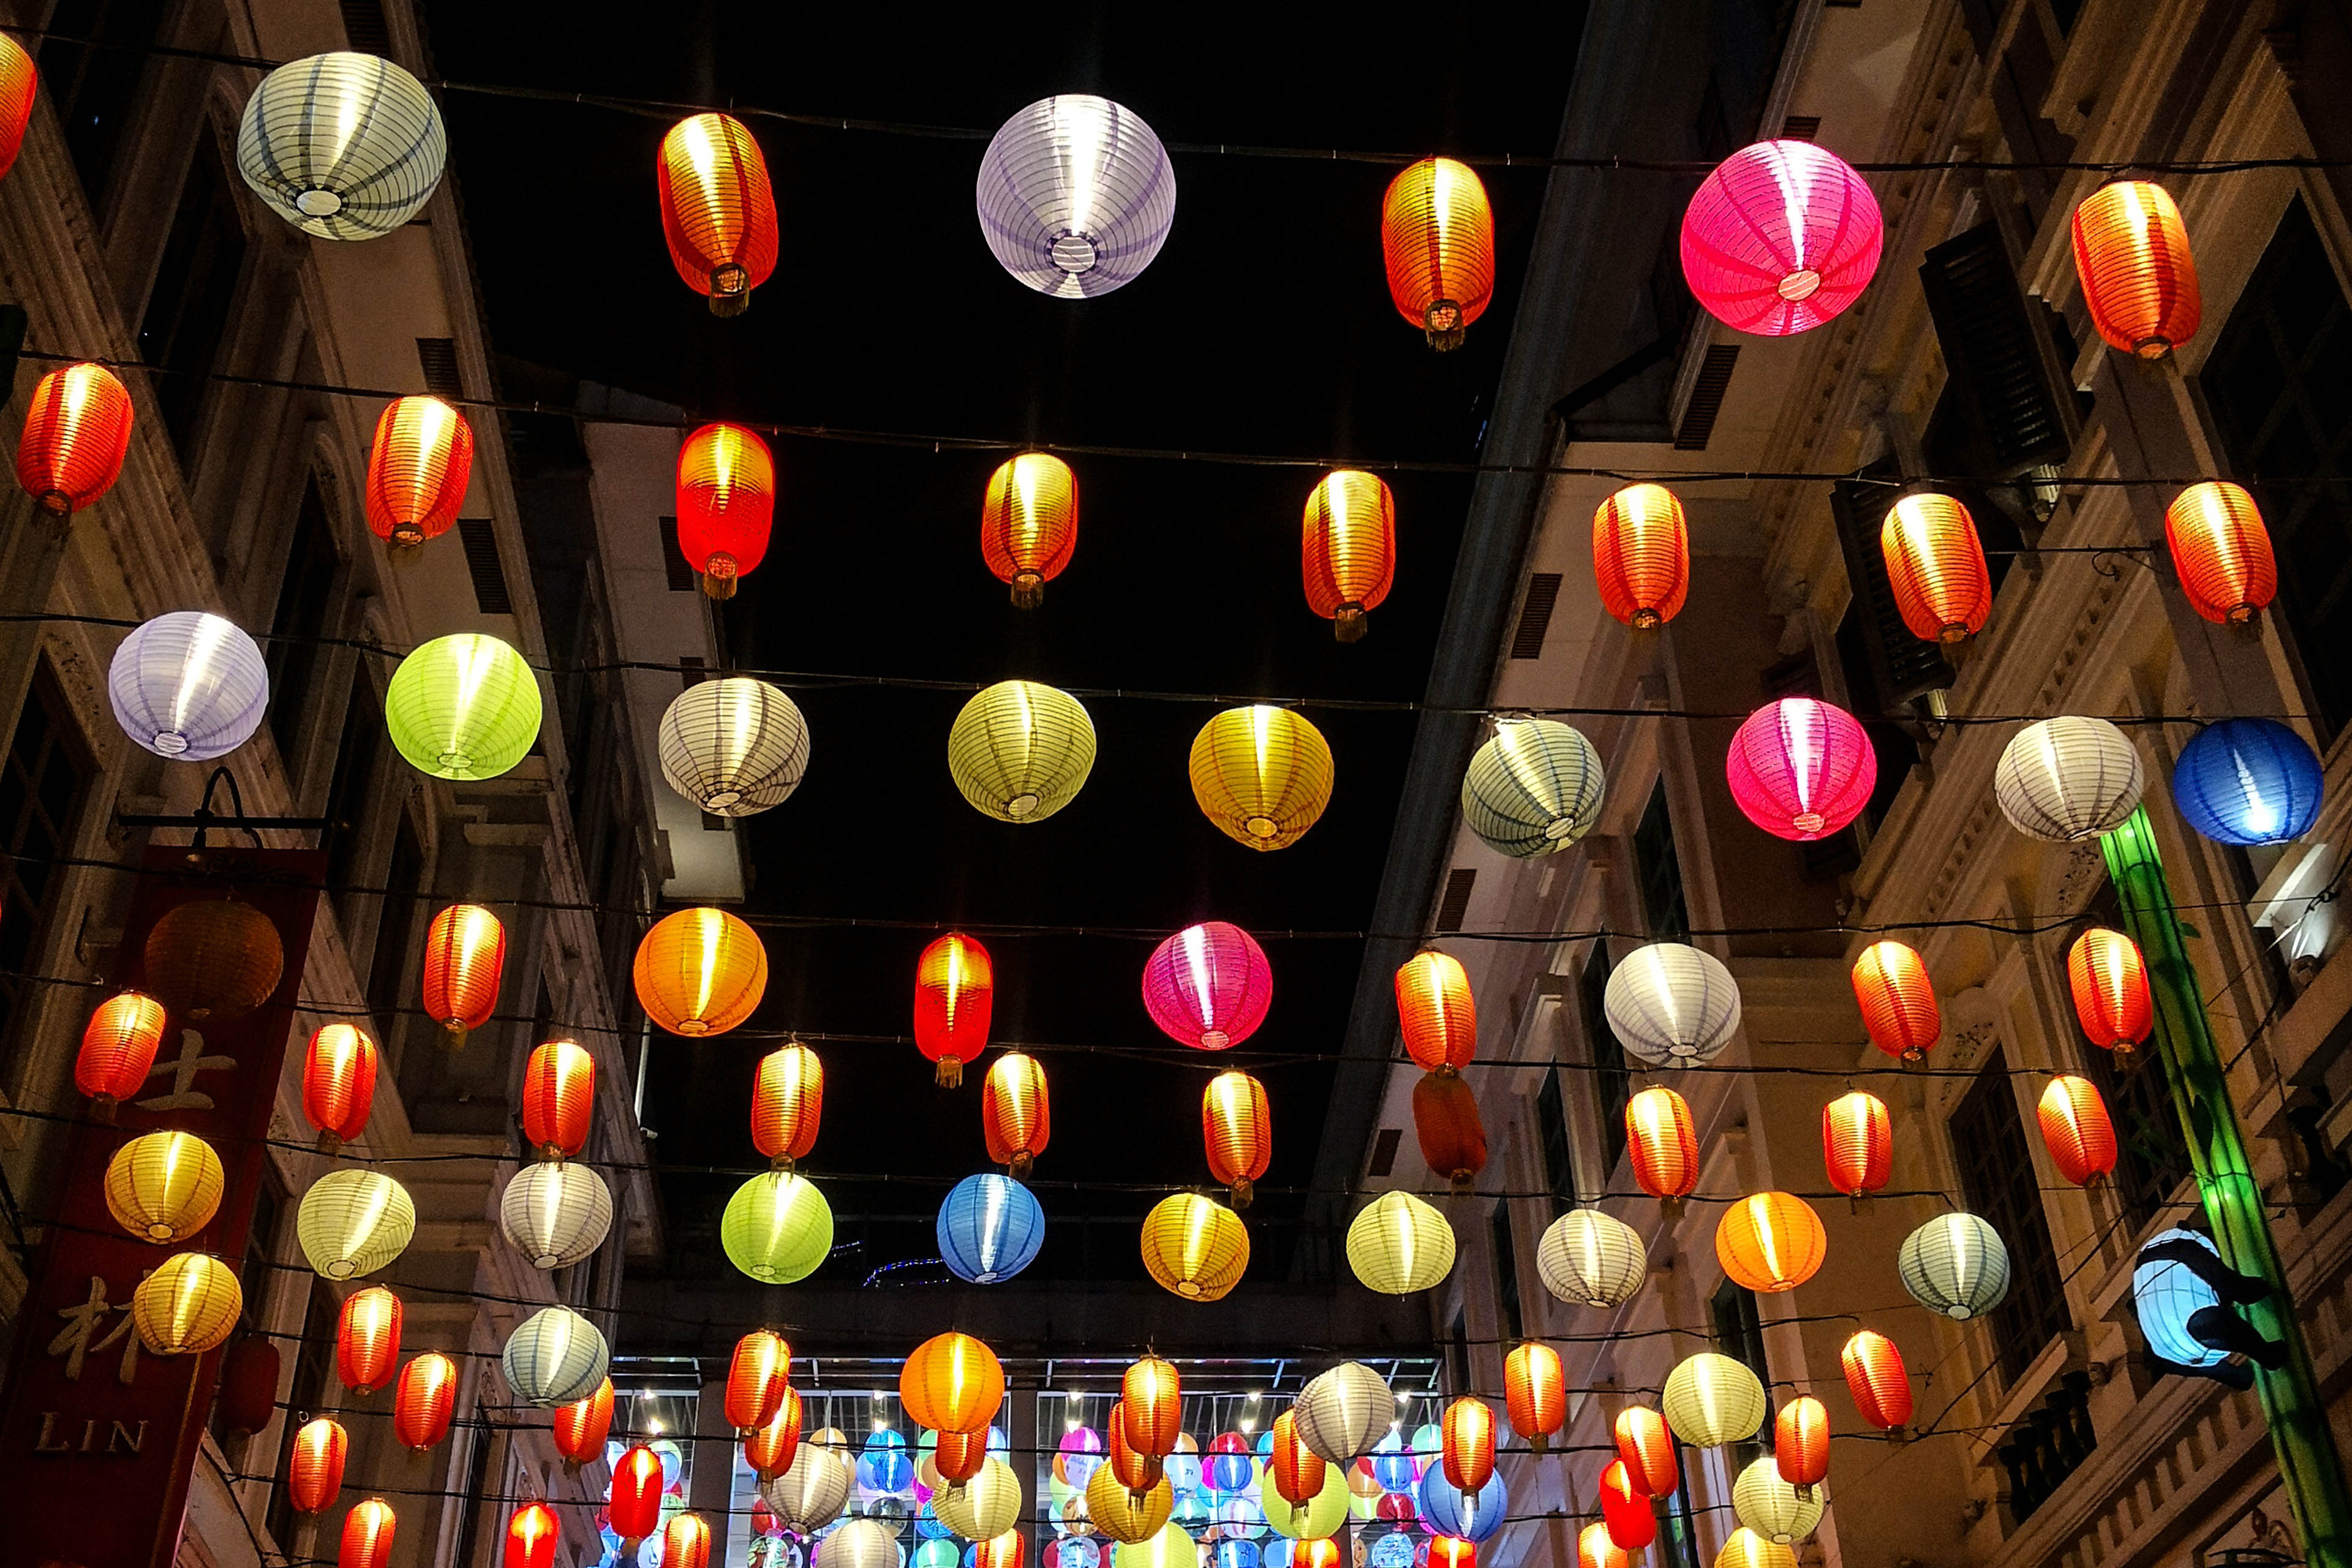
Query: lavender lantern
point(1076, 196)
point(188, 685)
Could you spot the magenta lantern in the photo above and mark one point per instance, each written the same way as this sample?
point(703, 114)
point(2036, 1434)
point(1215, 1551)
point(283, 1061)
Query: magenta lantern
point(1783, 236)
point(1801, 769)
point(1208, 985)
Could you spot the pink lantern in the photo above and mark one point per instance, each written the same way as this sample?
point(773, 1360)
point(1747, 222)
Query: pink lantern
point(1782, 236)
point(1801, 769)
point(1208, 985)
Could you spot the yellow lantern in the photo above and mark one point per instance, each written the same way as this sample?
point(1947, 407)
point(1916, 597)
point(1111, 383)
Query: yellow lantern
point(165, 1187)
point(1399, 1245)
point(188, 1306)
point(353, 1223)
point(1772, 1507)
point(1711, 1399)
point(1172, 1548)
point(1321, 1517)
point(700, 972)
point(983, 1507)
point(1746, 1549)
point(1122, 1515)
point(1261, 775)
point(777, 1228)
point(1021, 751)
point(1194, 1247)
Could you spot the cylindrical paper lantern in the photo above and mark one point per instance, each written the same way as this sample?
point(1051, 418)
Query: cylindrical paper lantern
point(2109, 982)
point(1151, 1396)
point(734, 746)
point(1009, 1550)
point(2131, 252)
point(1237, 1128)
point(339, 1073)
point(1445, 1122)
point(633, 1497)
point(2221, 552)
point(1625, 1507)
point(118, 1048)
point(1594, 1549)
point(1875, 1375)
point(214, 958)
point(314, 1469)
point(1076, 196)
point(2248, 781)
point(19, 83)
point(1451, 1551)
point(188, 1306)
point(1780, 237)
point(1535, 1391)
point(1640, 555)
point(770, 1449)
point(2076, 1131)
point(1898, 1000)
point(77, 427)
point(955, 987)
point(368, 1531)
point(1297, 1472)
point(990, 1228)
point(1955, 1263)
point(1671, 1005)
point(342, 145)
point(1437, 239)
point(1800, 769)
point(1467, 1439)
point(1342, 1412)
point(248, 1398)
point(465, 960)
point(1127, 1517)
point(1710, 1399)
point(957, 1457)
point(758, 1374)
point(463, 707)
point(556, 1213)
point(1857, 1143)
point(188, 685)
point(1348, 548)
point(1195, 1247)
point(1936, 565)
point(718, 214)
point(1021, 751)
point(1771, 1242)
point(1017, 1119)
point(367, 1339)
point(1768, 1505)
point(1534, 788)
point(1588, 1258)
point(582, 1424)
point(353, 1223)
point(1208, 986)
point(1436, 1011)
point(164, 1187)
point(777, 1228)
point(418, 468)
point(558, 1096)
point(554, 1357)
point(1029, 523)
point(1646, 1448)
point(1663, 1143)
point(700, 972)
point(787, 1103)
point(1801, 1444)
point(726, 504)
point(1397, 1245)
point(2067, 779)
point(1262, 774)
point(532, 1536)
point(952, 1383)
point(685, 1541)
point(426, 1397)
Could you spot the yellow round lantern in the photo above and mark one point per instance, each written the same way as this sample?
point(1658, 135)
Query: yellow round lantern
point(1712, 1399)
point(1771, 1242)
point(1321, 1517)
point(1771, 1507)
point(189, 1305)
point(353, 1223)
point(1170, 1548)
point(1021, 751)
point(777, 1228)
point(1194, 1247)
point(983, 1507)
point(1120, 1514)
point(1262, 774)
point(1399, 1244)
point(1746, 1549)
point(165, 1187)
point(700, 972)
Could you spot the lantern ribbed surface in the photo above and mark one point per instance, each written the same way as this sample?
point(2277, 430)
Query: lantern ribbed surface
point(632, 1498)
point(1875, 1377)
point(952, 1383)
point(1398, 1244)
point(858, 1543)
point(553, 1357)
point(556, 1213)
point(809, 1494)
point(213, 958)
point(1800, 1442)
point(735, 747)
point(1342, 1412)
point(1237, 1131)
point(463, 707)
point(1937, 567)
point(777, 1228)
point(955, 988)
point(700, 972)
point(2067, 779)
point(1801, 769)
point(1347, 548)
point(367, 1339)
point(1646, 1448)
point(368, 1532)
point(1124, 1516)
point(1767, 1503)
point(1172, 1548)
point(1466, 1444)
point(990, 1228)
point(77, 431)
point(1781, 236)
point(1640, 555)
point(558, 1096)
point(19, 84)
point(1857, 1143)
point(1016, 1114)
point(1771, 1242)
point(726, 504)
point(2248, 781)
point(1208, 986)
point(1588, 1258)
point(1029, 523)
point(719, 213)
point(1194, 1247)
point(1625, 1509)
point(1595, 1550)
point(1451, 1551)
point(2166, 1293)
point(164, 1187)
point(532, 1536)
point(758, 1375)
point(353, 1223)
point(1746, 1549)
point(188, 685)
point(2221, 552)
point(314, 1471)
point(1711, 1399)
point(339, 1075)
point(1436, 1011)
point(1020, 750)
point(342, 145)
point(955, 1458)
point(1671, 1005)
point(1955, 1263)
point(1662, 1141)
point(1534, 1391)
point(2109, 982)
point(1446, 1124)
point(2131, 253)
point(685, 1541)
point(581, 1425)
point(1445, 1510)
point(1898, 1000)
point(1076, 196)
point(787, 1103)
point(188, 1306)
point(118, 1047)
point(1261, 775)
point(426, 1397)
point(2076, 1130)
point(465, 960)
point(987, 1505)
point(1534, 788)
point(1437, 241)
point(418, 467)
point(770, 1449)
point(1151, 1398)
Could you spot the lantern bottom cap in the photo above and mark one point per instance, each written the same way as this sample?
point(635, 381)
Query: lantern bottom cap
point(1187, 1288)
point(1074, 253)
point(162, 1233)
point(1028, 590)
point(1215, 1040)
point(1560, 827)
point(1809, 822)
point(318, 202)
point(341, 1269)
point(170, 743)
point(1261, 826)
point(2244, 614)
point(1021, 804)
point(1348, 622)
point(1798, 286)
point(56, 503)
point(716, 799)
point(1646, 619)
point(2151, 347)
point(692, 1026)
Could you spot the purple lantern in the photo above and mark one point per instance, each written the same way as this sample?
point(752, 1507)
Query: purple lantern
point(1076, 196)
point(188, 685)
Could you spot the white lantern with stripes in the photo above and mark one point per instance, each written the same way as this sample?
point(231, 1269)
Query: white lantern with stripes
point(2068, 778)
point(1342, 1412)
point(1672, 1006)
point(1534, 789)
point(1772, 1507)
point(1956, 1264)
point(734, 747)
point(1076, 196)
point(556, 1213)
point(553, 1357)
point(1588, 1258)
point(342, 145)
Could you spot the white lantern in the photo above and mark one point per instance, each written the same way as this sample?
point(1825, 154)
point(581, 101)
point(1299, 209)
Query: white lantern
point(859, 1543)
point(556, 1213)
point(188, 685)
point(984, 1507)
point(810, 1493)
point(1076, 196)
point(342, 145)
point(1956, 1265)
point(1342, 1412)
point(353, 1222)
point(2068, 778)
point(1588, 1258)
point(1771, 1507)
point(1399, 1243)
point(1711, 1399)
point(553, 1357)
point(734, 747)
point(1671, 1005)
point(1534, 789)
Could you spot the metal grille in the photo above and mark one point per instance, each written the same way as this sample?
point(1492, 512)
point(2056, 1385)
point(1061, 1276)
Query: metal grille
point(1535, 614)
point(1455, 902)
point(364, 25)
point(438, 359)
point(1707, 397)
point(1384, 1152)
point(481, 541)
point(675, 571)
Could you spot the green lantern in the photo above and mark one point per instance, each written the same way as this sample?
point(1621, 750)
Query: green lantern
point(777, 1228)
point(463, 707)
point(1322, 1516)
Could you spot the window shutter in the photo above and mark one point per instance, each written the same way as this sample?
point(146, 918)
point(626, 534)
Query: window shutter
point(1996, 345)
point(1902, 667)
point(481, 540)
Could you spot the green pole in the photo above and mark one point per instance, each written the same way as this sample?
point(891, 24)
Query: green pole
point(2307, 1461)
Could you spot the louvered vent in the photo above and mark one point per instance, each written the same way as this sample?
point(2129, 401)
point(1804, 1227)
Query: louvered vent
point(1902, 667)
point(481, 540)
point(364, 25)
point(1384, 1148)
point(1800, 128)
point(1535, 614)
point(1456, 901)
point(679, 575)
point(1998, 349)
point(439, 356)
point(1707, 397)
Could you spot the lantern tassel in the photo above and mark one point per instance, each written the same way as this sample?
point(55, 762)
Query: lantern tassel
point(1241, 1192)
point(1540, 1444)
point(1349, 624)
point(330, 1143)
point(1671, 1209)
point(782, 1162)
point(731, 291)
point(717, 587)
point(1805, 1492)
point(948, 1073)
point(1028, 590)
point(1022, 1164)
point(455, 1030)
point(101, 1109)
point(1443, 325)
point(1459, 1183)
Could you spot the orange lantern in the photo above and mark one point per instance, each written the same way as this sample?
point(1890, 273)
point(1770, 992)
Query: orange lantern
point(1875, 1377)
point(1296, 1471)
point(559, 1095)
point(1466, 1444)
point(1771, 1242)
point(1801, 1444)
point(787, 1102)
point(719, 213)
point(417, 470)
point(1663, 1143)
point(685, 1541)
point(1534, 1391)
point(1437, 238)
point(367, 1339)
point(769, 1451)
point(726, 504)
point(1595, 1550)
point(1029, 523)
point(532, 1536)
point(1857, 1144)
point(1451, 1551)
point(314, 1469)
point(757, 1377)
point(1237, 1127)
point(952, 1384)
point(464, 958)
point(1151, 1402)
point(2109, 980)
point(955, 987)
point(339, 1072)
point(700, 972)
point(2221, 552)
point(960, 1456)
point(1438, 1016)
point(1646, 1448)
point(582, 1426)
point(118, 1050)
point(1348, 548)
point(1446, 1121)
point(1320, 1552)
point(2131, 252)
point(1138, 1471)
point(367, 1536)
point(1015, 1118)
point(633, 1500)
point(1640, 555)
point(19, 81)
point(1898, 999)
point(1625, 1507)
point(1937, 566)
point(426, 1396)
point(2074, 1125)
point(77, 433)
point(1005, 1551)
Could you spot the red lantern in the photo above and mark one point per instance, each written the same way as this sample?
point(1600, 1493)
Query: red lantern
point(367, 1339)
point(465, 957)
point(1780, 237)
point(1898, 1000)
point(1534, 1391)
point(1320, 1552)
point(955, 989)
point(1466, 1444)
point(1875, 1377)
point(1015, 1117)
point(1640, 555)
point(1663, 1141)
point(1446, 1121)
point(532, 1536)
point(1801, 1444)
point(1449, 1551)
point(1029, 523)
point(757, 1378)
point(1208, 986)
point(2074, 1125)
point(426, 1396)
point(1801, 769)
point(685, 1541)
point(77, 433)
point(1595, 1550)
point(582, 1426)
point(1348, 548)
point(558, 1096)
point(1151, 1402)
point(18, 82)
point(118, 1049)
point(1857, 1144)
point(769, 1451)
point(2109, 980)
point(1646, 1448)
point(417, 470)
point(1005, 1551)
point(1297, 1472)
point(2221, 552)
point(314, 1471)
point(726, 504)
point(787, 1102)
point(718, 214)
point(1397, 1507)
point(960, 1455)
point(1625, 1507)
point(1237, 1127)
point(633, 1502)
point(2131, 252)
point(247, 1400)
point(339, 1084)
point(1438, 237)
point(1438, 1016)
point(1937, 567)
point(367, 1536)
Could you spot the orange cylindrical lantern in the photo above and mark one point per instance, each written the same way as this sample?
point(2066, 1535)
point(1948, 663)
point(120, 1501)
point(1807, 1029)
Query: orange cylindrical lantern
point(2221, 552)
point(952, 1384)
point(1237, 1128)
point(367, 1536)
point(718, 212)
point(1534, 1391)
point(1646, 1448)
point(769, 1451)
point(1348, 548)
point(1771, 1242)
point(1625, 1507)
point(1436, 1011)
point(367, 1339)
point(532, 1536)
point(1451, 1551)
point(2074, 1125)
point(955, 987)
point(726, 504)
point(757, 1376)
point(1875, 1377)
point(582, 1426)
point(685, 1541)
point(1296, 1471)
point(1320, 1552)
point(2110, 979)
point(1466, 1444)
point(464, 958)
point(77, 433)
point(338, 1070)
point(2131, 252)
point(1640, 555)
point(787, 1102)
point(1151, 1402)
point(1595, 1550)
point(1015, 1117)
point(1801, 1443)
point(960, 1456)
point(559, 1095)
point(1437, 238)
point(418, 469)
point(427, 1395)
point(1007, 1550)
point(1898, 999)
point(1937, 566)
point(633, 1502)
point(1663, 1141)
point(1857, 1144)
point(1029, 523)
point(314, 1469)
point(19, 83)
point(1446, 1121)
point(118, 1048)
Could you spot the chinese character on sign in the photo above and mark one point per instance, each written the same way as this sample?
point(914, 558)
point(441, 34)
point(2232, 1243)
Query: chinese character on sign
point(80, 1336)
point(192, 1060)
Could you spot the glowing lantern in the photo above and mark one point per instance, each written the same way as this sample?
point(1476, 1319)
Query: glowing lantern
point(1874, 1377)
point(1451, 1551)
point(1625, 1507)
point(1857, 1144)
point(1151, 1400)
point(633, 1500)
point(342, 145)
point(559, 1095)
point(1646, 1448)
point(1342, 1412)
point(1397, 1245)
point(353, 1223)
point(314, 1471)
point(858, 1543)
point(770, 1449)
point(1594, 1549)
point(188, 685)
point(556, 1213)
point(2221, 552)
point(1535, 1391)
point(1016, 1117)
point(463, 707)
point(718, 214)
point(1663, 1143)
point(2131, 252)
point(1446, 1124)
point(188, 1306)
point(422, 1405)
point(726, 504)
point(787, 1101)
point(554, 1357)
point(987, 1505)
point(418, 468)
point(1534, 788)
point(1468, 1445)
point(685, 1541)
point(1437, 238)
point(1296, 1471)
point(165, 1187)
point(1021, 751)
point(1801, 1445)
point(1194, 1247)
point(367, 1339)
point(1780, 237)
point(955, 987)
point(1955, 1263)
point(1936, 565)
point(367, 1536)
point(465, 960)
point(1768, 1503)
point(214, 958)
point(777, 1228)
point(1006, 1551)
point(118, 1048)
point(1237, 1127)
point(532, 1536)
point(809, 1494)
point(2109, 980)
point(990, 1228)
point(734, 746)
point(76, 424)
point(582, 1425)
point(1746, 1549)
point(1640, 555)
point(1029, 523)
point(1671, 1005)
point(1208, 986)
point(2068, 779)
point(1172, 1548)
point(1588, 1258)
point(958, 1456)
point(700, 972)
point(1800, 769)
point(1322, 1513)
point(1711, 1399)
point(1771, 1242)
point(1438, 1016)
point(952, 1383)
point(1898, 1000)
point(1262, 774)
point(2248, 781)
point(2076, 1129)
point(1129, 1517)
point(339, 1071)
point(1347, 552)
point(18, 84)
point(1076, 196)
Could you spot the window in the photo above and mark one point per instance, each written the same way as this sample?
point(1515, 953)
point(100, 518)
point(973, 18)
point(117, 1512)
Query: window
point(1612, 1086)
point(306, 603)
point(1660, 872)
point(1740, 1335)
point(1999, 1181)
point(1679, 1530)
point(314, 1361)
point(1551, 1134)
point(394, 926)
point(195, 289)
point(676, 571)
point(43, 781)
point(94, 86)
point(349, 793)
point(1507, 1271)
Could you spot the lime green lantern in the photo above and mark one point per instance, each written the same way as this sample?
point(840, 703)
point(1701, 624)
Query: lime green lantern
point(463, 707)
point(1322, 1514)
point(777, 1228)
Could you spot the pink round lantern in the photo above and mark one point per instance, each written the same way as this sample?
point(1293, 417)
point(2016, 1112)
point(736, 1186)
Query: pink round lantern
point(1208, 985)
point(1801, 769)
point(1782, 236)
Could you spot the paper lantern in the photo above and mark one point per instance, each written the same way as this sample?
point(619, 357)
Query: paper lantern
point(1321, 1516)
point(1857, 1144)
point(1076, 196)
point(1006, 1551)
point(1711, 1399)
point(2068, 779)
point(1021, 751)
point(718, 215)
point(213, 959)
point(1646, 1448)
point(1451, 1551)
point(78, 421)
point(1237, 1128)
point(956, 1459)
point(1262, 774)
point(559, 1097)
point(554, 1357)
point(1767, 1503)
point(164, 1187)
point(1127, 1517)
point(1875, 1378)
point(808, 1495)
point(532, 1536)
point(726, 504)
point(1672, 1006)
point(2076, 1131)
point(314, 1469)
point(1936, 565)
point(2140, 281)
point(465, 961)
point(955, 987)
point(367, 1535)
point(777, 1228)
point(1446, 1124)
point(1397, 1245)
point(685, 1541)
point(247, 1400)
point(353, 1223)
point(581, 1426)
point(2248, 781)
point(1534, 788)
point(1588, 1258)
point(1663, 1143)
point(1437, 238)
point(1771, 1242)
point(1172, 1548)
point(1348, 548)
point(423, 1402)
point(1296, 1472)
point(1208, 986)
point(188, 1306)
point(1625, 1509)
point(1898, 1000)
point(1436, 1011)
point(990, 1228)
point(2109, 982)
point(419, 466)
point(1781, 236)
point(1151, 1400)
point(1800, 769)
point(1801, 1448)
point(1445, 1509)
point(1016, 1117)
point(1535, 1391)
point(1595, 1550)
point(1342, 1412)
point(700, 972)
point(1955, 1263)
point(768, 1450)
point(339, 1074)
point(463, 707)
point(2167, 1297)
point(118, 1048)
point(987, 1505)
point(633, 1497)
point(342, 145)
point(1743, 1548)
point(952, 1383)
point(734, 746)
point(2221, 552)
point(1194, 1247)
point(1029, 523)
point(19, 82)
point(188, 685)
point(1640, 555)
point(367, 1339)
point(1468, 1435)
point(787, 1102)
point(858, 1543)
point(758, 1375)
point(556, 1213)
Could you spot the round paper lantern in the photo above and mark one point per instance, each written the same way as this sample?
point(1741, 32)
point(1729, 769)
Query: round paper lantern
point(1898, 1000)
point(465, 960)
point(2131, 252)
point(1437, 238)
point(1262, 774)
point(1535, 1391)
point(1021, 751)
point(1016, 1117)
point(353, 1223)
point(633, 1500)
point(777, 1228)
point(2109, 982)
point(1348, 548)
point(2248, 781)
point(1588, 1258)
point(418, 468)
point(188, 1306)
point(787, 1102)
point(1875, 1378)
point(952, 1383)
point(735, 747)
point(19, 82)
point(1321, 1516)
point(1646, 1448)
point(1780, 237)
point(558, 1096)
point(858, 1543)
point(1446, 1124)
point(463, 707)
point(1663, 1143)
point(118, 1048)
point(556, 1213)
point(2166, 1294)
point(367, 1535)
point(2221, 552)
point(1194, 1247)
point(76, 424)
point(1672, 1006)
point(314, 1471)
point(1768, 1505)
point(213, 958)
point(809, 1494)
point(339, 1073)
point(1640, 555)
point(554, 1357)
point(990, 1228)
point(987, 1505)
point(2076, 1131)
point(1436, 1011)
point(726, 504)
point(1534, 788)
point(2067, 779)
point(1746, 1549)
point(247, 1399)
point(1955, 1263)
point(1172, 1548)
point(164, 1187)
point(1076, 196)
point(1595, 1550)
point(1125, 1515)
point(367, 1339)
point(770, 1448)
point(1937, 566)
point(1771, 1242)
point(1029, 523)
point(422, 1403)
point(1467, 1451)
point(1625, 1509)
point(1711, 1399)
point(1801, 1446)
point(1397, 1245)
point(686, 1542)
point(1152, 1405)
point(1447, 1510)
point(1236, 1127)
point(1801, 769)
point(342, 145)
point(955, 987)
point(532, 1536)
point(700, 972)
point(1342, 1412)
point(581, 1426)
point(1208, 986)
point(718, 215)
point(188, 685)
point(1857, 1144)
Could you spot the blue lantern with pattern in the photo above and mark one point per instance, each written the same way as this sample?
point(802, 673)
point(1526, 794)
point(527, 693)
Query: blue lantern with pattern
point(990, 1228)
point(2248, 781)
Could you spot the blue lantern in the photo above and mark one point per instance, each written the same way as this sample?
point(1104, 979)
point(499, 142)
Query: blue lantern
point(990, 1228)
point(2186, 1298)
point(1428, 1442)
point(1447, 1511)
point(1391, 1551)
point(1264, 1447)
point(927, 1525)
point(1189, 1510)
point(1228, 1466)
point(1182, 1468)
point(883, 1467)
point(2248, 781)
point(1391, 1463)
point(1275, 1553)
point(1237, 1555)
